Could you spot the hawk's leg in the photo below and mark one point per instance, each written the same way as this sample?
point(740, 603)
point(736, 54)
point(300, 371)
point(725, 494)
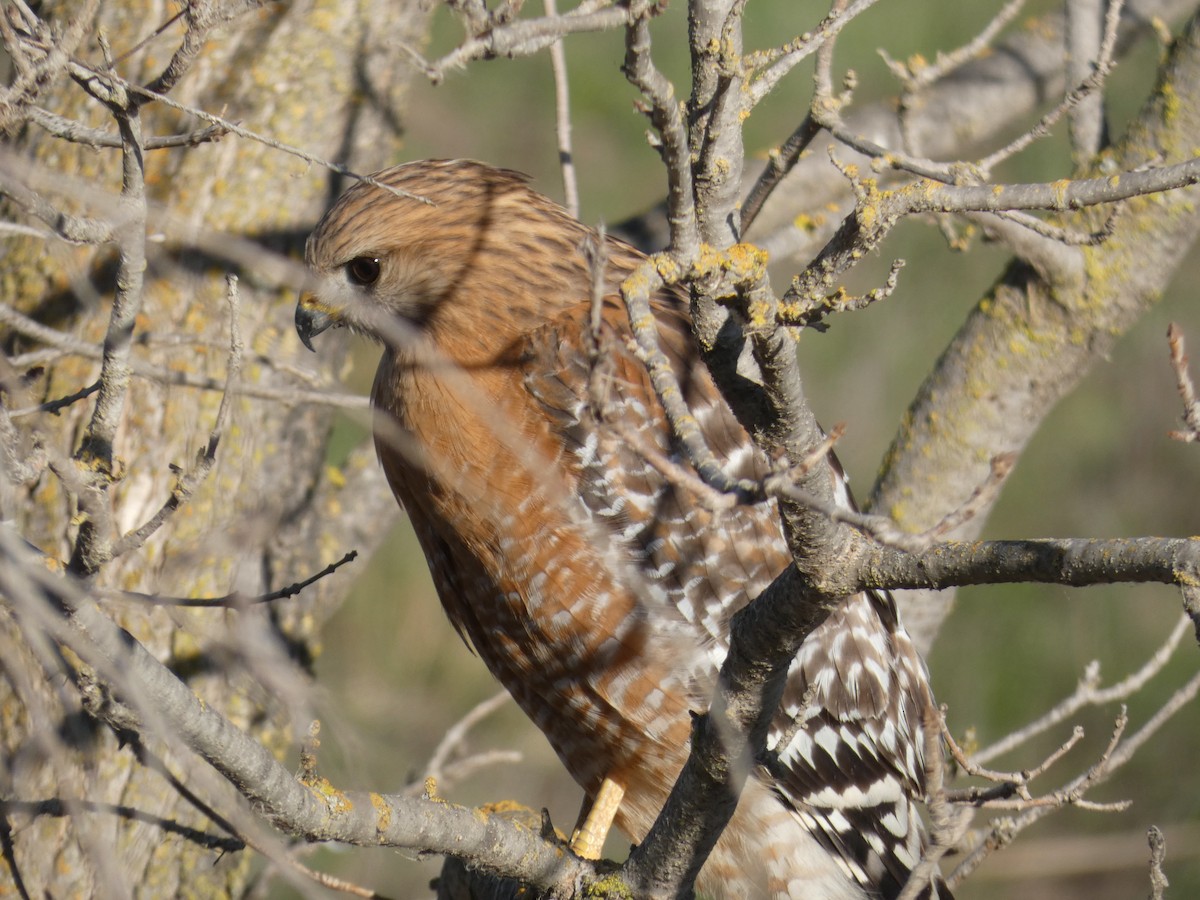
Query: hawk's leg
point(588, 839)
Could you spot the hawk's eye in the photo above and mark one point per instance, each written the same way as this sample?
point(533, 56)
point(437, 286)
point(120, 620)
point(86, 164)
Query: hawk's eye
point(363, 270)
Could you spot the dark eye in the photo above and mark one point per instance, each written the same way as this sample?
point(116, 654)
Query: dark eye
point(363, 270)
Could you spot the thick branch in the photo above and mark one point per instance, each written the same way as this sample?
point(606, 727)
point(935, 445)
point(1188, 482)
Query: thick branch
point(1029, 342)
point(315, 811)
point(764, 641)
point(1073, 563)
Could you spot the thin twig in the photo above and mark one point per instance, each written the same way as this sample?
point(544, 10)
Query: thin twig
point(948, 825)
point(1061, 234)
point(459, 770)
point(779, 163)
point(1103, 66)
point(235, 600)
point(1115, 756)
point(1174, 704)
point(1071, 794)
point(18, 230)
point(190, 482)
point(161, 29)
point(332, 882)
point(1191, 606)
point(981, 498)
point(812, 312)
point(78, 133)
point(200, 19)
point(455, 738)
point(1158, 856)
point(915, 76)
point(71, 228)
point(595, 252)
point(636, 291)
point(800, 49)
point(95, 454)
point(675, 474)
point(87, 73)
point(528, 36)
point(562, 118)
point(67, 344)
point(64, 807)
point(883, 529)
point(1187, 390)
point(1010, 783)
point(667, 117)
point(155, 763)
point(1089, 693)
point(55, 406)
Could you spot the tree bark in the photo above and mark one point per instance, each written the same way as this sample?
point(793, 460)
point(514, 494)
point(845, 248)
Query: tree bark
point(313, 75)
point(1041, 329)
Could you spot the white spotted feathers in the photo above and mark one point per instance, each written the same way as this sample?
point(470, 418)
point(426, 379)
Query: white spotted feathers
point(595, 586)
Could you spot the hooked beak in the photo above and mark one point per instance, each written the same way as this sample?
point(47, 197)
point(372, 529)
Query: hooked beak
point(311, 320)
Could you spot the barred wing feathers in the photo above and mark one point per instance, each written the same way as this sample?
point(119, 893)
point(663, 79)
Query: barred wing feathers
point(845, 753)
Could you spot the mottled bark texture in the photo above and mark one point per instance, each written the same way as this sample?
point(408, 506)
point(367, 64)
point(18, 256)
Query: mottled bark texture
point(1041, 328)
point(324, 76)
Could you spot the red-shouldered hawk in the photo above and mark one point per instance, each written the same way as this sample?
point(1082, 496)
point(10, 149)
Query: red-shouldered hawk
point(597, 590)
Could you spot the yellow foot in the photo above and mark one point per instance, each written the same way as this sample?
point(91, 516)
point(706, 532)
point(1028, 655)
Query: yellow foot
point(588, 839)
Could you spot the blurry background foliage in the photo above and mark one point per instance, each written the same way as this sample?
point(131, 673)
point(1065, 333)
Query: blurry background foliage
point(1101, 466)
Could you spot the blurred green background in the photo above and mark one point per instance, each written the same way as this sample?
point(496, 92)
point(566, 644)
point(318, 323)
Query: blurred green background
point(394, 676)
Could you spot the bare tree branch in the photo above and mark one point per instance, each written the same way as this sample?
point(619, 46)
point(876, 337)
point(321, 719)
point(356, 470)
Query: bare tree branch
point(314, 808)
